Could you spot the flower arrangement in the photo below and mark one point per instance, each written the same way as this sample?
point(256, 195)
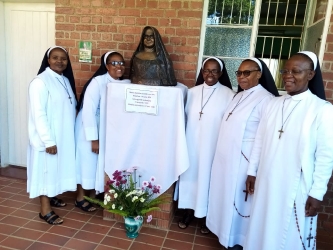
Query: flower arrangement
point(125, 197)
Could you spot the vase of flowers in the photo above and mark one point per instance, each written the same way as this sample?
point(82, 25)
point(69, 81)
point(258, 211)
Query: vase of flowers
point(125, 196)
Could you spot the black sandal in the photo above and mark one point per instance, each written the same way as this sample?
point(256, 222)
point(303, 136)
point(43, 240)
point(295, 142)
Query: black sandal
point(56, 202)
point(204, 229)
point(86, 208)
point(50, 218)
point(186, 220)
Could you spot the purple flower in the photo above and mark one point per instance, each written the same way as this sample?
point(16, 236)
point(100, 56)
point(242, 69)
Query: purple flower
point(152, 179)
point(145, 183)
point(150, 185)
point(116, 174)
point(137, 217)
point(117, 183)
point(149, 219)
point(158, 186)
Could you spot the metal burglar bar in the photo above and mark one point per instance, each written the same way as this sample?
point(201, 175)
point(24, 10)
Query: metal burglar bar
point(281, 25)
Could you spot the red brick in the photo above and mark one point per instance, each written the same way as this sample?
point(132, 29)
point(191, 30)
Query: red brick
point(96, 3)
point(85, 11)
point(129, 12)
point(152, 4)
point(106, 11)
point(96, 36)
point(64, 10)
point(65, 43)
point(85, 36)
point(141, 21)
point(178, 41)
point(107, 28)
point(329, 93)
point(176, 4)
point(194, 23)
point(141, 4)
point(152, 13)
point(67, 27)
point(188, 32)
point(176, 22)
point(85, 67)
point(185, 5)
point(197, 5)
point(86, 19)
point(189, 13)
point(59, 34)
point(59, 19)
point(74, 19)
point(117, 37)
point(76, 2)
point(193, 41)
point(85, 27)
point(130, 21)
point(96, 19)
point(107, 19)
point(129, 3)
point(130, 30)
point(153, 21)
point(164, 22)
point(170, 13)
point(75, 35)
point(106, 45)
point(164, 4)
point(129, 38)
point(118, 20)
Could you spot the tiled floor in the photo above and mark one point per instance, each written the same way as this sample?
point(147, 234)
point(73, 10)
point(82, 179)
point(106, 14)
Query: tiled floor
point(21, 228)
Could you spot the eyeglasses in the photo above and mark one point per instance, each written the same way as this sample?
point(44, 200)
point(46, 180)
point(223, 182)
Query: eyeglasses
point(245, 73)
point(292, 72)
point(213, 72)
point(115, 63)
point(148, 37)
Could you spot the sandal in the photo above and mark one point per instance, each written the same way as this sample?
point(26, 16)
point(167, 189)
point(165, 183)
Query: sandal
point(184, 222)
point(204, 229)
point(87, 208)
point(56, 202)
point(50, 218)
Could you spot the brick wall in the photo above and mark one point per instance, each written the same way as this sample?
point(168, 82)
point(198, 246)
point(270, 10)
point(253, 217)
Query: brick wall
point(117, 25)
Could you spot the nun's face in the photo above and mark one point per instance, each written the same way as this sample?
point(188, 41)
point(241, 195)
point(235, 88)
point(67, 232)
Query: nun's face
point(248, 75)
point(114, 67)
point(296, 75)
point(58, 60)
point(211, 72)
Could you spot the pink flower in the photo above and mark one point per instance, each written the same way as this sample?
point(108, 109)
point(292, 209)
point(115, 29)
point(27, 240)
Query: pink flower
point(137, 217)
point(158, 186)
point(116, 174)
point(130, 170)
point(152, 179)
point(145, 183)
point(149, 219)
point(150, 185)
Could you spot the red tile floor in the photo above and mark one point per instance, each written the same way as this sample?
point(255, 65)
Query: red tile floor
point(21, 228)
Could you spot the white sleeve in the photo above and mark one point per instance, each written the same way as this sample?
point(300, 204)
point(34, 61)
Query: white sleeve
point(324, 153)
point(90, 105)
point(38, 98)
point(256, 150)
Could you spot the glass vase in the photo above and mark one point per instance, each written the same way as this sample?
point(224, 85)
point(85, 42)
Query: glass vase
point(133, 226)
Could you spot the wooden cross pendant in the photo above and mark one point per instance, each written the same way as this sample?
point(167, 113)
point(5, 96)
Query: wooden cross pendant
point(245, 191)
point(309, 239)
point(228, 116)
point(200, 114)
point(280, 131)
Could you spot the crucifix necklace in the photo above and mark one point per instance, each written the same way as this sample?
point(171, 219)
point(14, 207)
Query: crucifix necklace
point(239, 102)
point(283, 122)
point(65, 87)
point(202, 107)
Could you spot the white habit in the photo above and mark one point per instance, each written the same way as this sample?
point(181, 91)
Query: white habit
point(229, 170)
point(89, 126)
point(201, 138)
point(51, 122)
point(288, 170)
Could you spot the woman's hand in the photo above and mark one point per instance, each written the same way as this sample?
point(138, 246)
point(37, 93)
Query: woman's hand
point(52, 150)
point(95, 146)
point(311, 206)
point(250, 181)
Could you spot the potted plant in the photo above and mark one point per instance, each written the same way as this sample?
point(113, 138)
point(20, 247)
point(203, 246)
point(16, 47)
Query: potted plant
point(124, 196)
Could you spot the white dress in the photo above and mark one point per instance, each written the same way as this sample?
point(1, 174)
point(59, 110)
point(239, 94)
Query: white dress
point(201, 137)
point(229, 170)
point(289, 170)
point(90, 125)
point(51, 122)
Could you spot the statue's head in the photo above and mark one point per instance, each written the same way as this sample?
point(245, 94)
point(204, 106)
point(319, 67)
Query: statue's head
point(148, 38)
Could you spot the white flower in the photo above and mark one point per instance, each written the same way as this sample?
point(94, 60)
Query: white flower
point(152, 179)
point(107, 197)
point(121, 208)
point(105, 202)
point(111, 191)
point(134, 198)
point(113, 206)
point(142, 200)
point(115, 195)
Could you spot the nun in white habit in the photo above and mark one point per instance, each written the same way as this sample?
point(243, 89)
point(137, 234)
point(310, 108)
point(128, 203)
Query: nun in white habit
point(291, 161)
point(51, 149)
point(205, 106)
point(228, 206)
point(90, 124)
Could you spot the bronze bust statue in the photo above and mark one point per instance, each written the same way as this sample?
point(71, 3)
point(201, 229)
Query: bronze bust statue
point(150, 63)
